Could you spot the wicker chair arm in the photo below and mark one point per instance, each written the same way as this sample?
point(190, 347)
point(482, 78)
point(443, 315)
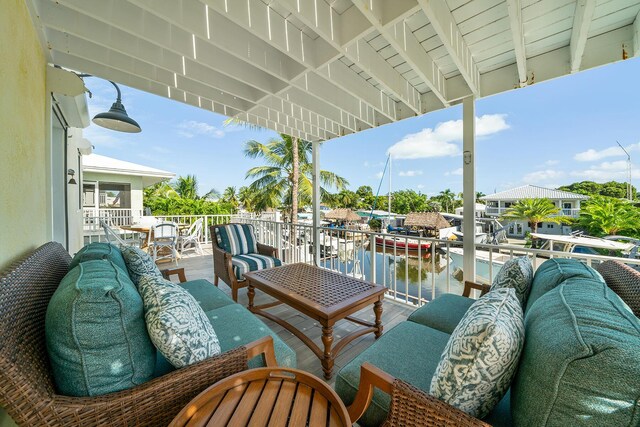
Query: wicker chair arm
point(409, 405)
point(267, 250)
point(174, 271)
point(157, 402)
point(468, 286)
point(222, 264)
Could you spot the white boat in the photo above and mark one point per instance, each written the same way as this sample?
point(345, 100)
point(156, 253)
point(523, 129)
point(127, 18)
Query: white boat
point(489, 263)
point(480, 236)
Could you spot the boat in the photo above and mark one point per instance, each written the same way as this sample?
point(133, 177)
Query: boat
point(489, 263)
point(398, 242)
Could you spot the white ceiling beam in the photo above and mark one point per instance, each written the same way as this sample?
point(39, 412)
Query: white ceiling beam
point(322, 18)
point(517, 32)
point(445, 26)
point(401, 38)
point(580, 33)
point(282, 35)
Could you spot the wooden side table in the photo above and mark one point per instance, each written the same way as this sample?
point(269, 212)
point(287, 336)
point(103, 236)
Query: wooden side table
point(266, 396)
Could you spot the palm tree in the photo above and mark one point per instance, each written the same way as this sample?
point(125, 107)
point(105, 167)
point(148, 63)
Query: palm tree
point(607, 216)
point(187, 187)
point(230, 196)
point(447, 199)
point(479, 194)
point(534, 211)
point(276, 182)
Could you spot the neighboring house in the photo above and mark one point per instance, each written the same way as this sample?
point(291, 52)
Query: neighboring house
point(568, 202)
point(112, 188)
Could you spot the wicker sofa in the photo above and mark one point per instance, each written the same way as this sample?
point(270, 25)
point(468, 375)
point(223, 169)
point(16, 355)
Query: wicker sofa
point(580, 364)
point(27, 390)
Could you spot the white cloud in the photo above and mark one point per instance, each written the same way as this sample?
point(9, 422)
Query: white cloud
point(409, 173)
point(379, 175)
point(440, 142)
point(592, 155)
point(607, 171)
point(191, 128)
point(101, 137)
point(454, 172)
point(420, 186)
point(543, 176)
point(551, 162)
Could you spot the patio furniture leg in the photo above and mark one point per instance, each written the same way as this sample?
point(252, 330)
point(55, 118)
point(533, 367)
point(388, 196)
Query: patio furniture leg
point(327, 359)
point(215, 280)
point(377, 309)
point(251, 293)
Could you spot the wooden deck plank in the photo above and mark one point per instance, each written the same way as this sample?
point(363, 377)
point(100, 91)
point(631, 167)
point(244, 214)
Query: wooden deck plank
point(201, 267)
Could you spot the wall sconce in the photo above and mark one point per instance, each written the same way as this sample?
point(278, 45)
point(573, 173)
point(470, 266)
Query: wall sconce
point(467, 157)
point(71, 173)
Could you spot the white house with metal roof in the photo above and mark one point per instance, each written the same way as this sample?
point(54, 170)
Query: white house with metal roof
point(112, 188)
point(568, 202)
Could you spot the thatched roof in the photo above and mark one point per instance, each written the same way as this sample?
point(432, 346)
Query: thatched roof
point(342, 214)
point(426, 219)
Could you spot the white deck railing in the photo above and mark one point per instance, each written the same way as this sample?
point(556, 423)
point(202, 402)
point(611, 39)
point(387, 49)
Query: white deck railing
point(413, 275)
point(495, 211)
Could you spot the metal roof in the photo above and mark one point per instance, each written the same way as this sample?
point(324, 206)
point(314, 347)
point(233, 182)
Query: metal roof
point(319, 69)
point(534, 192)
point(97, 163)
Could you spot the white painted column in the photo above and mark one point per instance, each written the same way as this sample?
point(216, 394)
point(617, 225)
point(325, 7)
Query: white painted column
point(315, 159)
point(469, 188)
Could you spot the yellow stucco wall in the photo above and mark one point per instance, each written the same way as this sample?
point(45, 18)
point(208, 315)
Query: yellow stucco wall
point(23, 201)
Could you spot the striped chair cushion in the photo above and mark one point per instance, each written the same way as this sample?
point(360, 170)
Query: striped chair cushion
point(252, 262)
point(237, 239)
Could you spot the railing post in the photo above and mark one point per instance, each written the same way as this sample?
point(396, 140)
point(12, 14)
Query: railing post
point(315, 159)
point(278, 239)
point(469, 188)
point(374, 261)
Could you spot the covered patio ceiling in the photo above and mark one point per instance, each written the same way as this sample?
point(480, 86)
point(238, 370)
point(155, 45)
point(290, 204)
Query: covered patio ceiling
point(320, 69)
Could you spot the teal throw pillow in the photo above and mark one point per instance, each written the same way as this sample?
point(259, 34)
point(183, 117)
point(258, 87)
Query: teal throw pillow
point(99, 250)
point(139, 263)
point(95, 332)
point(176, 323)
point(481, 357)
point(516, 273)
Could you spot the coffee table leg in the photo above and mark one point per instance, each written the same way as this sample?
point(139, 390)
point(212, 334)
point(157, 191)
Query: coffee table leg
point(250, 294)
point(377, 309)
point(327, 359)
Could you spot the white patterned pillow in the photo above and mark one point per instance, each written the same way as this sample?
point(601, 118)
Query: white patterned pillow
point(139, 263)
point(481, 357)
point(516, 273)
point(176, 323)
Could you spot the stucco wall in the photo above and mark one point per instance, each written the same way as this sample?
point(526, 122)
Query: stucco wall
point(23, 201)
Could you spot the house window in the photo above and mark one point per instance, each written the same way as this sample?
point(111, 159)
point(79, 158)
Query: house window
point(114, 195)
point(519, 229)
point(549, 225)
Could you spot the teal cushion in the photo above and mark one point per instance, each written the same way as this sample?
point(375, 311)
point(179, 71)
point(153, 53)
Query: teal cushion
point(139, 263)
point(516, 273)
point(252, 262)
point(554, 271)
point(177, 325)
point(98, 250)
point(237, 239)
point(409, 351)
point(207, 294)
point(236, 326)
point(443, 313)
point(95, 332)
point(482, 355)
point(581, 361)
point(500, 416)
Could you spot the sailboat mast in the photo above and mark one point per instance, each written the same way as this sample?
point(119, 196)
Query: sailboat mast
point(389, 208)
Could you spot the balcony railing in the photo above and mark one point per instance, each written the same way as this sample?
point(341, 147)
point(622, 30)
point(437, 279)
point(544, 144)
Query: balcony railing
point(414, 269)
point(494, 211)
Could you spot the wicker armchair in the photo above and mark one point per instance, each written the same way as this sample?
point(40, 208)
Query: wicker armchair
point(409, 406)
point(27, 391)
point(222, 263)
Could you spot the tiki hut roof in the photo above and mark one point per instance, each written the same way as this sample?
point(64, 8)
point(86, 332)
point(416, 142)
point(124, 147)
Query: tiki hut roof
point(342, 214)
point(426, 219)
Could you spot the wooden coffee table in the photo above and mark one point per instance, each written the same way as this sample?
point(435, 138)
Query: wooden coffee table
point(323, 295)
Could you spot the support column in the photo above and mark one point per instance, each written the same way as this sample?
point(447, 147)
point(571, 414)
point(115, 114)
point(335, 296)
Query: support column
point(469, 188)
point(315, 159)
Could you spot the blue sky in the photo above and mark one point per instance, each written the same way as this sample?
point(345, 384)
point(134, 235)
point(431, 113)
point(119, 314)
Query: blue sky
point(549, 134)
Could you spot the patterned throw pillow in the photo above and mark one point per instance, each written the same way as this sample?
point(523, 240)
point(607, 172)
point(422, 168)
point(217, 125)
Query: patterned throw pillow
point(139, 263)
point(516, 273)
point(237, 239)
point(481, 357)
point(176, 323)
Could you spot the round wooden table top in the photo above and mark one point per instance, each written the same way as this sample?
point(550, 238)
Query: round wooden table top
point(266, 396)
